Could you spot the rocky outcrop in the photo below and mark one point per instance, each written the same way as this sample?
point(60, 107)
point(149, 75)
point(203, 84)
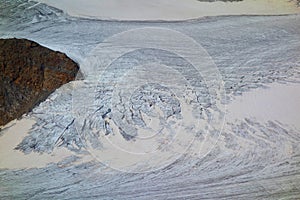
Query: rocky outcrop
point(29, 73)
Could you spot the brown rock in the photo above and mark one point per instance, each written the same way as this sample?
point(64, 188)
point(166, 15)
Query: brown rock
point(29, 73)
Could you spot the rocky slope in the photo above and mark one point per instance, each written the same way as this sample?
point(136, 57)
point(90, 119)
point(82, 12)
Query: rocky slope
point(29, 72)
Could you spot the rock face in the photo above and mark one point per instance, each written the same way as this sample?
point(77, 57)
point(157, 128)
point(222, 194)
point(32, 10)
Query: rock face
point(29, 73)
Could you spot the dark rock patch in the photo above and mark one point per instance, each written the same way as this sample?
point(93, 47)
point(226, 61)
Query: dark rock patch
point(29, 73)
